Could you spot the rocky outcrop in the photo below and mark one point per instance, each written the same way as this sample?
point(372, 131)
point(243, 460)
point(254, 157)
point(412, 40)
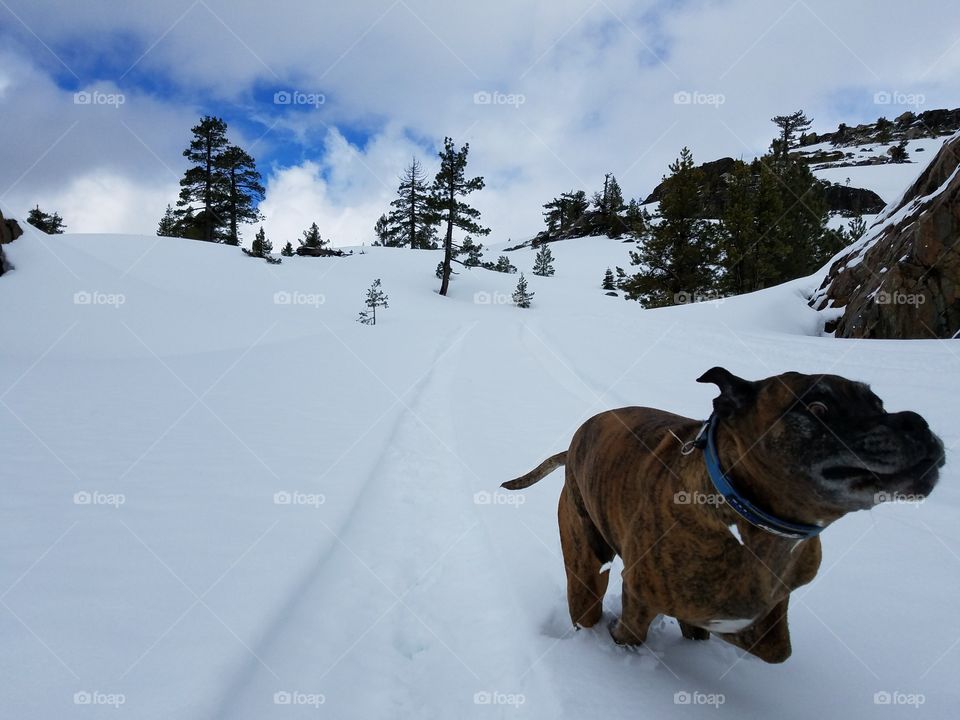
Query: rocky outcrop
point(906, 126)
point(713, 173)
point(9, 231)
point(839, 198)
point(304, 251)
point(902, 279)
point(848, 200)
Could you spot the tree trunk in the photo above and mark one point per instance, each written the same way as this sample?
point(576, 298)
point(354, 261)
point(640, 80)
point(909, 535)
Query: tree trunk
point(413, 217)
point(447, 255)
point(234, 239)
point(207, 211)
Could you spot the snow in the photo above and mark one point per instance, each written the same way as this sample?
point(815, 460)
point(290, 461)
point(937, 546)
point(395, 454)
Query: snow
point(224, 498)
point(888, 180)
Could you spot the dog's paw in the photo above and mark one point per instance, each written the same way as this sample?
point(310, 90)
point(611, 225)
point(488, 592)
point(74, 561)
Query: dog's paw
point(622, 636)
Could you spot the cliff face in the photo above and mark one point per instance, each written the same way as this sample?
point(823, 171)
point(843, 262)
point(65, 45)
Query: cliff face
point(902, 279)
point(9, 231)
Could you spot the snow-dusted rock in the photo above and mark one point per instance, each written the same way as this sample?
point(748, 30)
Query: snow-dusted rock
point(902, 279)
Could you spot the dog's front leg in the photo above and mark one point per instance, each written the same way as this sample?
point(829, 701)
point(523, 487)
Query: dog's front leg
point(768, 638)
point(636, 616)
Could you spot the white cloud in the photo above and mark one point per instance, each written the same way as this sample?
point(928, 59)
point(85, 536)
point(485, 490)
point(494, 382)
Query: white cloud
point(596, 98)
point(108, 202)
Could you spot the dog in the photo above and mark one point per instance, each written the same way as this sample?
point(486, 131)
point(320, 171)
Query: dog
point(717, 522)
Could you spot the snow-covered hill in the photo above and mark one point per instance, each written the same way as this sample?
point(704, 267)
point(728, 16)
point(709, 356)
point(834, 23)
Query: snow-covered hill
point(224, 498)
point(888, 180)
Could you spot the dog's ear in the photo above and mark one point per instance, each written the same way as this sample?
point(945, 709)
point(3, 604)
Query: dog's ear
point(735, 393)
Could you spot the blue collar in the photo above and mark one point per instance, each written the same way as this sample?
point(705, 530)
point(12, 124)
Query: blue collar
point(707, 440)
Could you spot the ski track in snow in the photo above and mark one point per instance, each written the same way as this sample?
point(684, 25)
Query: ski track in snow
point(414, 538)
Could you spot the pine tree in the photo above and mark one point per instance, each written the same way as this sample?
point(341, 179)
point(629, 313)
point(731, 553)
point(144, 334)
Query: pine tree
point(311, 238)
point(168, 224)
point(636, 220)
point(555, 217)
point(261, 247)
point(244, 191)
point(856, 228)
point(884, 130)
point(898, 153)
point(204, 188)
point(738, 232)
point(502, 264)
point(383, 233)
point(473, 252)
point(622, 278)
point(609, 205)
point(375, 298)
point(448, 187)
point(543, 263)
point(790, 126)
point(50, 223)
point(608, 281)
point(803, 226)
point(562, 213)
point(521, 296)
point(769, 245)
point(287, 250)
point(676, 260)
point(412, 222)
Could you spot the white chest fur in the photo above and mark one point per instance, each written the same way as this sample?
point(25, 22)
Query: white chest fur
point(733, 625)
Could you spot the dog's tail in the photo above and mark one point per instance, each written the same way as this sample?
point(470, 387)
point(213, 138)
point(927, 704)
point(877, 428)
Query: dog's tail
point(541, 471)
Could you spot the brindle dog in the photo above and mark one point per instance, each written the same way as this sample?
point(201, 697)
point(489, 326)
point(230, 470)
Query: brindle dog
point(804, 448)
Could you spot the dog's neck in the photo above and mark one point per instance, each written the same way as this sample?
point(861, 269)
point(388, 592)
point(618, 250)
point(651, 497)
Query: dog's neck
point(755, 494)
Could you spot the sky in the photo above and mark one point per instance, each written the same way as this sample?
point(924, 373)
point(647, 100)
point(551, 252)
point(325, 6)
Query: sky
point(333, 98)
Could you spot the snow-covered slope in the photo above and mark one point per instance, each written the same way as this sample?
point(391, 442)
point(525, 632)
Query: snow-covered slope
point(888, 180)
point(224, 498)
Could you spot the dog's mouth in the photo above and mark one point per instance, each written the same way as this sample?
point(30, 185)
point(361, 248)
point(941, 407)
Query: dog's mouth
point(922, 474)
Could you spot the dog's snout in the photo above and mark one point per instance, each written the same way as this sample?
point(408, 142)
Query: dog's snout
point(909, 422)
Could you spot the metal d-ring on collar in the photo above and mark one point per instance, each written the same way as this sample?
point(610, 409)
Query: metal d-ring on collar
point(707, 440)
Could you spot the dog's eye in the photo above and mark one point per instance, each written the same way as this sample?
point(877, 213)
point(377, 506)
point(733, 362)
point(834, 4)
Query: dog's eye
point(817, 408)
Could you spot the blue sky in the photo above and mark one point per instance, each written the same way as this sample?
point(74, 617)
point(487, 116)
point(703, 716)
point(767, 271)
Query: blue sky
point(597, 82)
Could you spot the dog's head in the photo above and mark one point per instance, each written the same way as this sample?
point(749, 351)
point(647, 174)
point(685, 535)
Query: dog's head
point(818, 446)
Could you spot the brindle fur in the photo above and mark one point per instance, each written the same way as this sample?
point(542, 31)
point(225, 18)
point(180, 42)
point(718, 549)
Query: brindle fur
point(624, 473)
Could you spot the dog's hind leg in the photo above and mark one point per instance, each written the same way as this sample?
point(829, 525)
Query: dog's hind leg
point(584, 554)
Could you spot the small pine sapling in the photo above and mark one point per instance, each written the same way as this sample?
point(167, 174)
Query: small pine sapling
point(521, 296)
point(543, 263)
point(375, 298)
